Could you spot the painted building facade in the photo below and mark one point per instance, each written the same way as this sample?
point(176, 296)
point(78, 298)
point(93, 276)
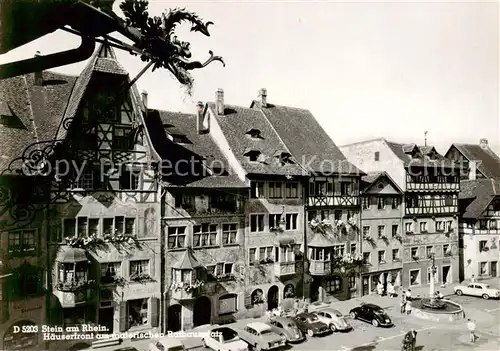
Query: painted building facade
point(203, 223)
point(430, 225)
point(382, 232)
point(480, 228)
point(101, 257)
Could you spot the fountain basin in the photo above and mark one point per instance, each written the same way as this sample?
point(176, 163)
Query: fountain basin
point(447, 312)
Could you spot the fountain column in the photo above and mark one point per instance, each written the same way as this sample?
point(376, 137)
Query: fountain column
point(431, 284)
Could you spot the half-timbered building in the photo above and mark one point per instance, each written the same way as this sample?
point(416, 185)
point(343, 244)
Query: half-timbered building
point(431, 185)
point(100, 232)
point(331, 195)
point(381, 230)
point(479, 228)
point(203, 222)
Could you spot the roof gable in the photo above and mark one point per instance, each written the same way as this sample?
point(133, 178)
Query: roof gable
point(412, 155)
point(478, 193)
point(379, 183)
point(307, 140)
point(488, 162)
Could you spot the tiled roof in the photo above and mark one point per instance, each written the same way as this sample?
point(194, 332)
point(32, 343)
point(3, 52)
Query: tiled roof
point(236, 122)
point(39, 109)
point(400, 150)
point(481, 192)
point(202, 148)
point(307, 140)
point(107, 65)
point(427, 149)
point(490, 162)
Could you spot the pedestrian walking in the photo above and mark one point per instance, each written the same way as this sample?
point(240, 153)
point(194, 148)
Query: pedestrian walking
point(402, 304)
point(408, 307)
point(408, 295)
point(471, 325)
point(413, 339)
point(473, 279)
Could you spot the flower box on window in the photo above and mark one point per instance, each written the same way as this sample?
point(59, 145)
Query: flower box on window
point(74, 285)
point(276, 229)
point(398, 238)
point(266, 261)
point(140, 277)
point(409, 233)
point(447, 254)
point(416, 258)
point(396, 259)
point(352, 222)
point(225, 277)
point(320, 226)
point(485, 249)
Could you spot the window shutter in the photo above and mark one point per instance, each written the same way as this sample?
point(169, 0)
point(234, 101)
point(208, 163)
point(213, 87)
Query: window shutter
point(154, 312)
point(123, 316)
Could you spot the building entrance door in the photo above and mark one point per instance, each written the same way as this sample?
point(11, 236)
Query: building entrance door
point(202, 311)
point(174, 318)
point(272, 298)
point(493, 269)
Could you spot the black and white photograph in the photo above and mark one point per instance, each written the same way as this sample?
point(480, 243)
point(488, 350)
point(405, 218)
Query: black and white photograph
point(283, 175)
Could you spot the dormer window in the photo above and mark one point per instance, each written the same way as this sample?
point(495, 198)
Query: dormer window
point(7, 117)
point(180, 139)
point(284, 158)
point(253, 155)
point(254, 134)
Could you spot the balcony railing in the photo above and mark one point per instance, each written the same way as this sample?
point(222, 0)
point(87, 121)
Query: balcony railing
point(282, 269)
point(333, 200)
point(186, 291)
point(320, 267)
point(415, 186)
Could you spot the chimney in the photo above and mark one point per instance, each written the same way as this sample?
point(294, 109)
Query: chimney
point(219, 101)
point(472, 170)
point(38, 81)
point(483, 143)
point(202, 119)
point(263, 97)
point(144, 97)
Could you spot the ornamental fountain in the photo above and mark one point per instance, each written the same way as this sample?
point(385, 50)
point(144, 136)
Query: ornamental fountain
point(434, 309)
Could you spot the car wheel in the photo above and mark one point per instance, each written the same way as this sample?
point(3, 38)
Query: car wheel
point(353, 315)
point(310, 333)
point(283, 337)
point(374, 322)
point(333, 328)
point(486, 296)
point(459, 292)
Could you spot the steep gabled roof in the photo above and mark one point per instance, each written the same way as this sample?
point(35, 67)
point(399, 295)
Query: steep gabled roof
point(39, 109)
point(489, 164)
point(320, 240)
point(307, 141)
point(403, 152)
point(481, 192)
point(187, 261)
point(236, 122)
point(202, 148)
point(372, 177)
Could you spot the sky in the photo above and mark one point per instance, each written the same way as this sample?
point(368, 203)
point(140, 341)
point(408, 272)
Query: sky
point(364, 69)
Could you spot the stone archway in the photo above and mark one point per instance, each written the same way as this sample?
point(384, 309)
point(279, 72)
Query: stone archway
point(272, 298)
point(202, 311)
point(14, 339)
point(174, 318)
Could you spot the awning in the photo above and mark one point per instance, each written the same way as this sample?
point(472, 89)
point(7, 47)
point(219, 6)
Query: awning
point(285, 240)
point(68, 254)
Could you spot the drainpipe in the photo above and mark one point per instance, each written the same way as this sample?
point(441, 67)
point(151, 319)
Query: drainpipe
point(304, 263)
point(162, 262)
point(360, 236)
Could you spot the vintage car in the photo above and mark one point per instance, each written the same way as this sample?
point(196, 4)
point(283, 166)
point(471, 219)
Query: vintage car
point(167, 344)
point(333, 319)
point(310, 324)
point(287, 327)
point(477, 289)
point(224, 339)
point(372, 314)
point(260, 336)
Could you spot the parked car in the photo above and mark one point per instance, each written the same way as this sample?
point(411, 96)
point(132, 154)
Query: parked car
point(310, 324)
point(167, 344)
point(477, 289)
point(260, 336)
point(224, 339)
point(333, 319)
point(372, 314)
point(287, 327)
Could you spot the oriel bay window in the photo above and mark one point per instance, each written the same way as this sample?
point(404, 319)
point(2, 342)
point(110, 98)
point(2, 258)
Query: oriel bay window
point(204, 235)
point(285, 254)
point(139, 270)
point(71, 275)
point(110, 272)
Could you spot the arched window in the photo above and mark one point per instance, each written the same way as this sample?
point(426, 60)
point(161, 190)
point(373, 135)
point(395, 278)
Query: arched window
point(14, 339)
point(228, 304)
point(257, 297)
point(334, 285)
point(289, 291)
